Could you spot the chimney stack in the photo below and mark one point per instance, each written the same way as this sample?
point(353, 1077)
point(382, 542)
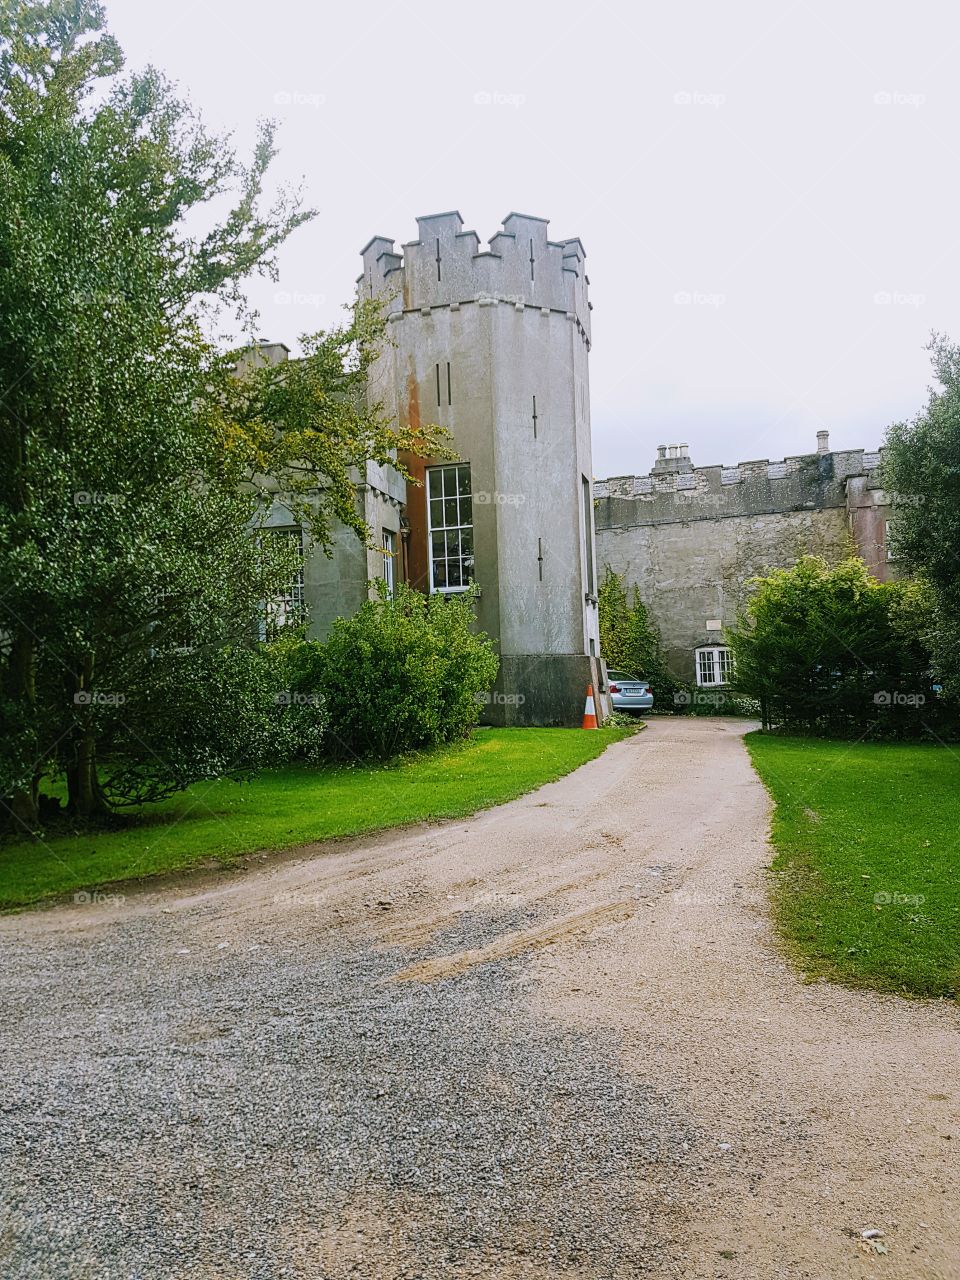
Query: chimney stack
point(672, 459)
point(823, 442)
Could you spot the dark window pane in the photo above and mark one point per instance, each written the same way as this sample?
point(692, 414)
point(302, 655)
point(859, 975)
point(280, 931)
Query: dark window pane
point(453, 543)
point(435, 481)
point(466, 511)
point(439, 573)
point(451, 516)
point(437, 546)
point(463, 481)
point(466, 542)
point(453, 574)
point(436, 514)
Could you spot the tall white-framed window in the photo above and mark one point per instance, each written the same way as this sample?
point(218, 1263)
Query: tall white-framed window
point(389, 542)
point(450, 527)
point(890, 549)
point(714, 665)
point(289, 608)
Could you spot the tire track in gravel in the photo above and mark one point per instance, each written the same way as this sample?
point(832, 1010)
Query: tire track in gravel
point(596, 1066)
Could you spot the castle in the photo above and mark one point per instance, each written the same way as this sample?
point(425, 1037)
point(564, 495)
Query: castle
point(691, 537)
point(493, 345)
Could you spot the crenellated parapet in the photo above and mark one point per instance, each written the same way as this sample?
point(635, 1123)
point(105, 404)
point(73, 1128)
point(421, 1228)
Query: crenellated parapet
point(677, 490)
point(445, 267)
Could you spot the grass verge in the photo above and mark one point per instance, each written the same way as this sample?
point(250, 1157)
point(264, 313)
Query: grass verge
point(286, 807)
point(868, 842)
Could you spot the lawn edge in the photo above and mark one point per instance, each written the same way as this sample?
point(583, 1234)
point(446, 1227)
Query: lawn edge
point(811, 969)
point(239, 862)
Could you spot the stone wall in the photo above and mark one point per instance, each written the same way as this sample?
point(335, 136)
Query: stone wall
point(493, 345)
point(691, 537)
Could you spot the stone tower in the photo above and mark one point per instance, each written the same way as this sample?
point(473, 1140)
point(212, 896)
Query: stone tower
point(494, 346)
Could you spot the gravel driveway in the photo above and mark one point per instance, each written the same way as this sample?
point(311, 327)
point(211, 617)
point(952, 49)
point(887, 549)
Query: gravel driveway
point(554, 1040)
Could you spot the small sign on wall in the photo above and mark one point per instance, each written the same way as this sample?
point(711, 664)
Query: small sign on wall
point(714, 624)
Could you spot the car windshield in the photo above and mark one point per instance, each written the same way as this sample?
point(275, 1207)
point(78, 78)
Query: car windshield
point(622, 675)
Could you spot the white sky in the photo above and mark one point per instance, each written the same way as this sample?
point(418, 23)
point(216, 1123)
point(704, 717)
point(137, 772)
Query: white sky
point(790, 168)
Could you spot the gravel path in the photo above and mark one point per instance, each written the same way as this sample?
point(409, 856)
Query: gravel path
point(552, 1041)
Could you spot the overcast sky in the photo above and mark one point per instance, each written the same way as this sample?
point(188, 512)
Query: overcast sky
point(767, 192)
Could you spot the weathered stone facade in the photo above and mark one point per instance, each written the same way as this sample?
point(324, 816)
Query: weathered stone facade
point(692, 537)
point(492, 345)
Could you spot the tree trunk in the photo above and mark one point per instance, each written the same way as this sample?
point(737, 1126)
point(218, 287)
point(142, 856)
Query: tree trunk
point(85, 799)
point(82, 782)
point(21, 687)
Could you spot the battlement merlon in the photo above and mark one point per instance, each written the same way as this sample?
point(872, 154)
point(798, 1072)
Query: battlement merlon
point(445, 265)
point(803, 481)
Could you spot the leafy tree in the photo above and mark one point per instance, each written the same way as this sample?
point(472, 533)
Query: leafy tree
point(402, 673)
point(305, 427)
point(921, 470)
point(832, 649)
point(217, 710)
point(614, 617)
point(629, 641)
point(131, 456)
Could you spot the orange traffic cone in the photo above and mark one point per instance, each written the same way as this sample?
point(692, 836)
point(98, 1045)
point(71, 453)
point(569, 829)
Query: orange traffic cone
point(590, 711)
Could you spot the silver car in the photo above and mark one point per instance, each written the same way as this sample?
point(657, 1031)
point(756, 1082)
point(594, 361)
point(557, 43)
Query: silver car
point(627, 693)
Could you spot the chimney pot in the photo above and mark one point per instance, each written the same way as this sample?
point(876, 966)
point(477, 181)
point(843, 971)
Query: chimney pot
point(823, 442)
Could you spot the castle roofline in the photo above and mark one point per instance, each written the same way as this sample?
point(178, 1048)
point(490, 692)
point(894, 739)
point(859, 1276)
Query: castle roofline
point(446, 263)
point(843, 463)
point(373, 240)
point(450, 213)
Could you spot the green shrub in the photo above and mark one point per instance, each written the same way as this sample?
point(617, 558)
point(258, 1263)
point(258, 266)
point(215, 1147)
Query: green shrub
point(694, 701)
point(403, 673)
point(832, 650)
point(630, 642)
point(207, 713)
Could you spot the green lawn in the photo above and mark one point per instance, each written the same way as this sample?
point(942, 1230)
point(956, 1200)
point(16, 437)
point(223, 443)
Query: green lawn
point(286, 807)
point(867, 889)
